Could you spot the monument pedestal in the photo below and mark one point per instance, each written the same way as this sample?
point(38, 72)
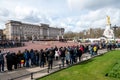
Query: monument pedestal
point(108, 33)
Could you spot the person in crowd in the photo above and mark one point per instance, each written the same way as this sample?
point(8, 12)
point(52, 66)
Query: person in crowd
point(1, 61)
point(62, 56)
point(32, 57)
point(82, 48)
point(114, 46)
point(53, 51)
point(9, 61)
point(75, 54)
point(91, 50)
point(36, 58)
point(67, 56)
point(71, 55)
point(95, 50)
point(50, 59)
point(110, 46)
point(56, 54)
point(55, 48)
point(42, 58)
point(86, 48)
point(46, 53)
point(20, 58)
point(14, 60)
point(27, 57)
point(79, 54)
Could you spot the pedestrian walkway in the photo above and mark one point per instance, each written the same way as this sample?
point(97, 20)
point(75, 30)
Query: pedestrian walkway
point(25, 73)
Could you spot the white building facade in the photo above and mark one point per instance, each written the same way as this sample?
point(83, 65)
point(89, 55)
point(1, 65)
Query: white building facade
point(16, 30)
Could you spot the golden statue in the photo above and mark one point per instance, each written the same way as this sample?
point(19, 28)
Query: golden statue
point(108, 20)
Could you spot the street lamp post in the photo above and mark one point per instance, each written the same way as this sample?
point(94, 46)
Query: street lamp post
point(114, 29)
point(20, 33)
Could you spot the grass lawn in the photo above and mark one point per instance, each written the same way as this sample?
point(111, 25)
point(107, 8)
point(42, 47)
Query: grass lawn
point(93, 69)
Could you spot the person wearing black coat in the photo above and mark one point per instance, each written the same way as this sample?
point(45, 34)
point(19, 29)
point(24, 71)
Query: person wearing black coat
point(1, 61)
point(9, 61)
point(79, 53)
point(15, 60)
point(62, 56)
point(50, 60)
point(42, 58)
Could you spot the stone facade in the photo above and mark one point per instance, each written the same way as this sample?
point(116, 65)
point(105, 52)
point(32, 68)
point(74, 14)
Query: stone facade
point(16, 30)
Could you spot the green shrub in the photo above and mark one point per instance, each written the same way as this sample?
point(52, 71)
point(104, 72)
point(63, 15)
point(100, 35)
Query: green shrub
point(115, 71)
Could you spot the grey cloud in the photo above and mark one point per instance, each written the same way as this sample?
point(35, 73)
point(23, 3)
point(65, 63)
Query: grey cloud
point(102, 3)
point(4, 15)
point(31, 18)
point(94, 4)
point(4, 12)
point(36, 18)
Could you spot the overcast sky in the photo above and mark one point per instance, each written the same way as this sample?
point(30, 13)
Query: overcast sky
point(73, 15)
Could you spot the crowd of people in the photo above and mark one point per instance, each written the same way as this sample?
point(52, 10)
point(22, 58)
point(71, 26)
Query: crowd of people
point(28, 58)
point(10, 43)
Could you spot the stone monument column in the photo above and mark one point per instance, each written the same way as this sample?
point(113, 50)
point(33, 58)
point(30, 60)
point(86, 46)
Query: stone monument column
point(108, 33)
point(108, 21)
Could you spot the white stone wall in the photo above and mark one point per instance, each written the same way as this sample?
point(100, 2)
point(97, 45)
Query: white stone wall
point(17, 29)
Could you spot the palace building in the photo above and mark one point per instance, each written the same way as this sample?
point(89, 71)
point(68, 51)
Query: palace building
point(16, 30)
